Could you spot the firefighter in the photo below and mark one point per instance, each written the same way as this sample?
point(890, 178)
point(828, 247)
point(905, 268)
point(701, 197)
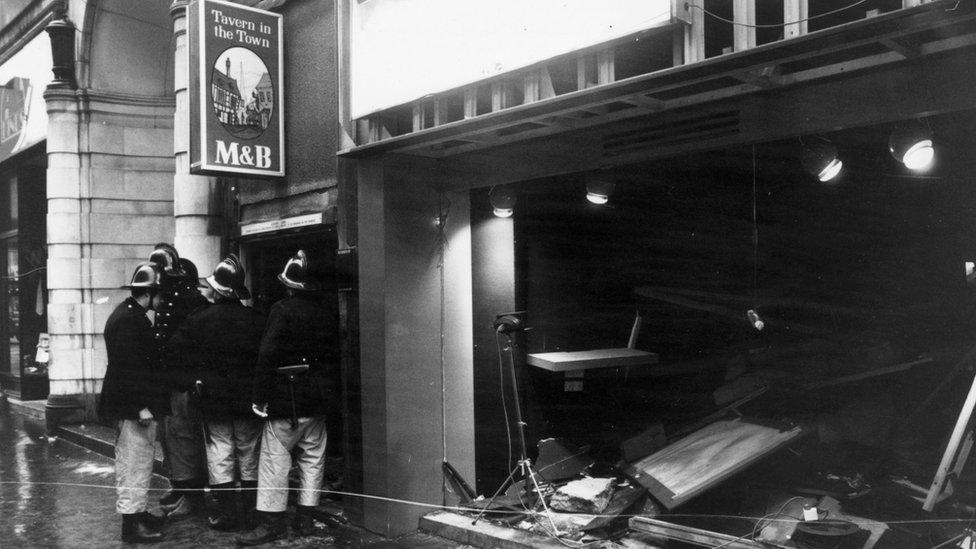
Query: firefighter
point(135, 396)
point(296, 387)
point(182, 435)
point(217, 348)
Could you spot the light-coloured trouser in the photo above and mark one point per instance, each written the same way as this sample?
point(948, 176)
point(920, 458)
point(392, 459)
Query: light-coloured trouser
point(134, 453)
point(233, 441)
point(276, 445)
point(183, 440)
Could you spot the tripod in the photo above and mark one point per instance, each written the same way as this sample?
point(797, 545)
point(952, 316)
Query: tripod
point(506, 325)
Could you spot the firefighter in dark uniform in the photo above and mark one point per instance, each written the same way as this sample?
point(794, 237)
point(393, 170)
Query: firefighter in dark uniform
point(135, 395)
point(183, 438)
point(296, 386)
point(217, 349)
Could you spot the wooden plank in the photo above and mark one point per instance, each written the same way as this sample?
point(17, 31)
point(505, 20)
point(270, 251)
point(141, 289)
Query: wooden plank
point(499, 95)
point(795, 13)
point(949, 457)
point(688, 534)
point(440, 110)
point(744, 30)
point(707, 457)
point(545, 84)
point(869, 374)
point(418, 117)
point(605, 72)
point(582, 72)
point(471, 102)
point(588, 360)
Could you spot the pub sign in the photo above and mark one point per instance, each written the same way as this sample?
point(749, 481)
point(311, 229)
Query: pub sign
point(236, 118)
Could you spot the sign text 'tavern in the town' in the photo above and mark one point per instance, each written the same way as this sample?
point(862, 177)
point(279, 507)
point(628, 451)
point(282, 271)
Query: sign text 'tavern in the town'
point(236, 119)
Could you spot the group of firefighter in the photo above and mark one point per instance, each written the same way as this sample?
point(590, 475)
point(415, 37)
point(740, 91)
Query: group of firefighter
point(232, 395)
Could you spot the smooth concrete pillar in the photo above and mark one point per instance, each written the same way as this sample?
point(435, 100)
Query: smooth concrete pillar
point(196, 206)
point(415, 346)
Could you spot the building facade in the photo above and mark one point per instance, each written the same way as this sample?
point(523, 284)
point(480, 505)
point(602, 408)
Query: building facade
point(392, 181)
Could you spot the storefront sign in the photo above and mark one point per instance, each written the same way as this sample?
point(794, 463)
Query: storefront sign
point(236, 90)
point(406, 49)
point(281, 224)
point(23, 78)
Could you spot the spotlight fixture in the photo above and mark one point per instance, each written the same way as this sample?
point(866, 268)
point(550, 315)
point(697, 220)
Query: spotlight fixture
point(502, 201)
point(911, 144)
point(820, 159)
point(598, 190)
point(754, 320)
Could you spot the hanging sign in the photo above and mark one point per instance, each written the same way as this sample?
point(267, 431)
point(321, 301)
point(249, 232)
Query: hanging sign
point(236, 90)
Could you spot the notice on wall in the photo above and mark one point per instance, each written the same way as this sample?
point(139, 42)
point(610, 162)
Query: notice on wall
point(236, 90)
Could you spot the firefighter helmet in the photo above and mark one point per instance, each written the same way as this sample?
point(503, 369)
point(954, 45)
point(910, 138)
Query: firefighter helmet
point(228, 278)
point(296, 274)
point(166, 257)
point(146, 275)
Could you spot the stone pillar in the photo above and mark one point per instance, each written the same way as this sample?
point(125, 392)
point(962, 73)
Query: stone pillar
point(109, 195)
point(196, 205)
point(66, 307)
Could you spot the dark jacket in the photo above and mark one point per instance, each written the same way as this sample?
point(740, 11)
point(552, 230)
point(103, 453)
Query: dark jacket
point(302, 328)
point(180, 297)
point(218, 345)
point(133, 378)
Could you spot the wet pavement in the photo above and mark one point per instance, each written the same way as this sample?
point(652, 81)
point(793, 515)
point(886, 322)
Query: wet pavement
point(56, 494)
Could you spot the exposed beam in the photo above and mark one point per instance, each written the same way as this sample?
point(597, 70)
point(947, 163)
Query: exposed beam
point(670, 82)
point(795, 13)
point(648, 103)
point(896, 45)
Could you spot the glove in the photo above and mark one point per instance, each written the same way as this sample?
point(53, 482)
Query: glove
point(260, 410)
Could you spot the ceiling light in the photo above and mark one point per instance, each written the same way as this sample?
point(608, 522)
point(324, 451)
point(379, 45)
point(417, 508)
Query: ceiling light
point(502, 201)
point(598, 190)
point(911, 144)
point(820, 160)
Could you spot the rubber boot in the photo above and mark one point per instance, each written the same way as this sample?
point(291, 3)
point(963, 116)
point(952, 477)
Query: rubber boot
point(224, 519)
point(249, 500)
point(273, 526)
point(135, 531)
point(303, 524)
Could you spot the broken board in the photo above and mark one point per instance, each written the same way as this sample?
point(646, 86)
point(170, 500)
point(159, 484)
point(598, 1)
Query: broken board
point(703, 459)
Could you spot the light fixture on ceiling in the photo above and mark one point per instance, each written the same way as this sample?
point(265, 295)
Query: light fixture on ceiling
point(911, 144)
point(502, 201)
point(820, 160)
point(754, 320)
point(598, 189)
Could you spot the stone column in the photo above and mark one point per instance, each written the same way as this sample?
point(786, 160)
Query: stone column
point(109, 195)
point(66, 307)
point(196, 204)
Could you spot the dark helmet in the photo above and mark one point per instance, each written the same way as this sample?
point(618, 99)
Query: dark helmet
point(296, 274)
point(146, 275)
point(166, 257)
point(228, 279)
point(189, 269)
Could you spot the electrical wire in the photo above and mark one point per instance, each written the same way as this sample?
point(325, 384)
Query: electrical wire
point(441, 251)
point(501, 385)
point(775, 25)
point(755, 234)
point(25, 273)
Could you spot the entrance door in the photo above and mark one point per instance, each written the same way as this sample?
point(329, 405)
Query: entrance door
point(266, 258)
